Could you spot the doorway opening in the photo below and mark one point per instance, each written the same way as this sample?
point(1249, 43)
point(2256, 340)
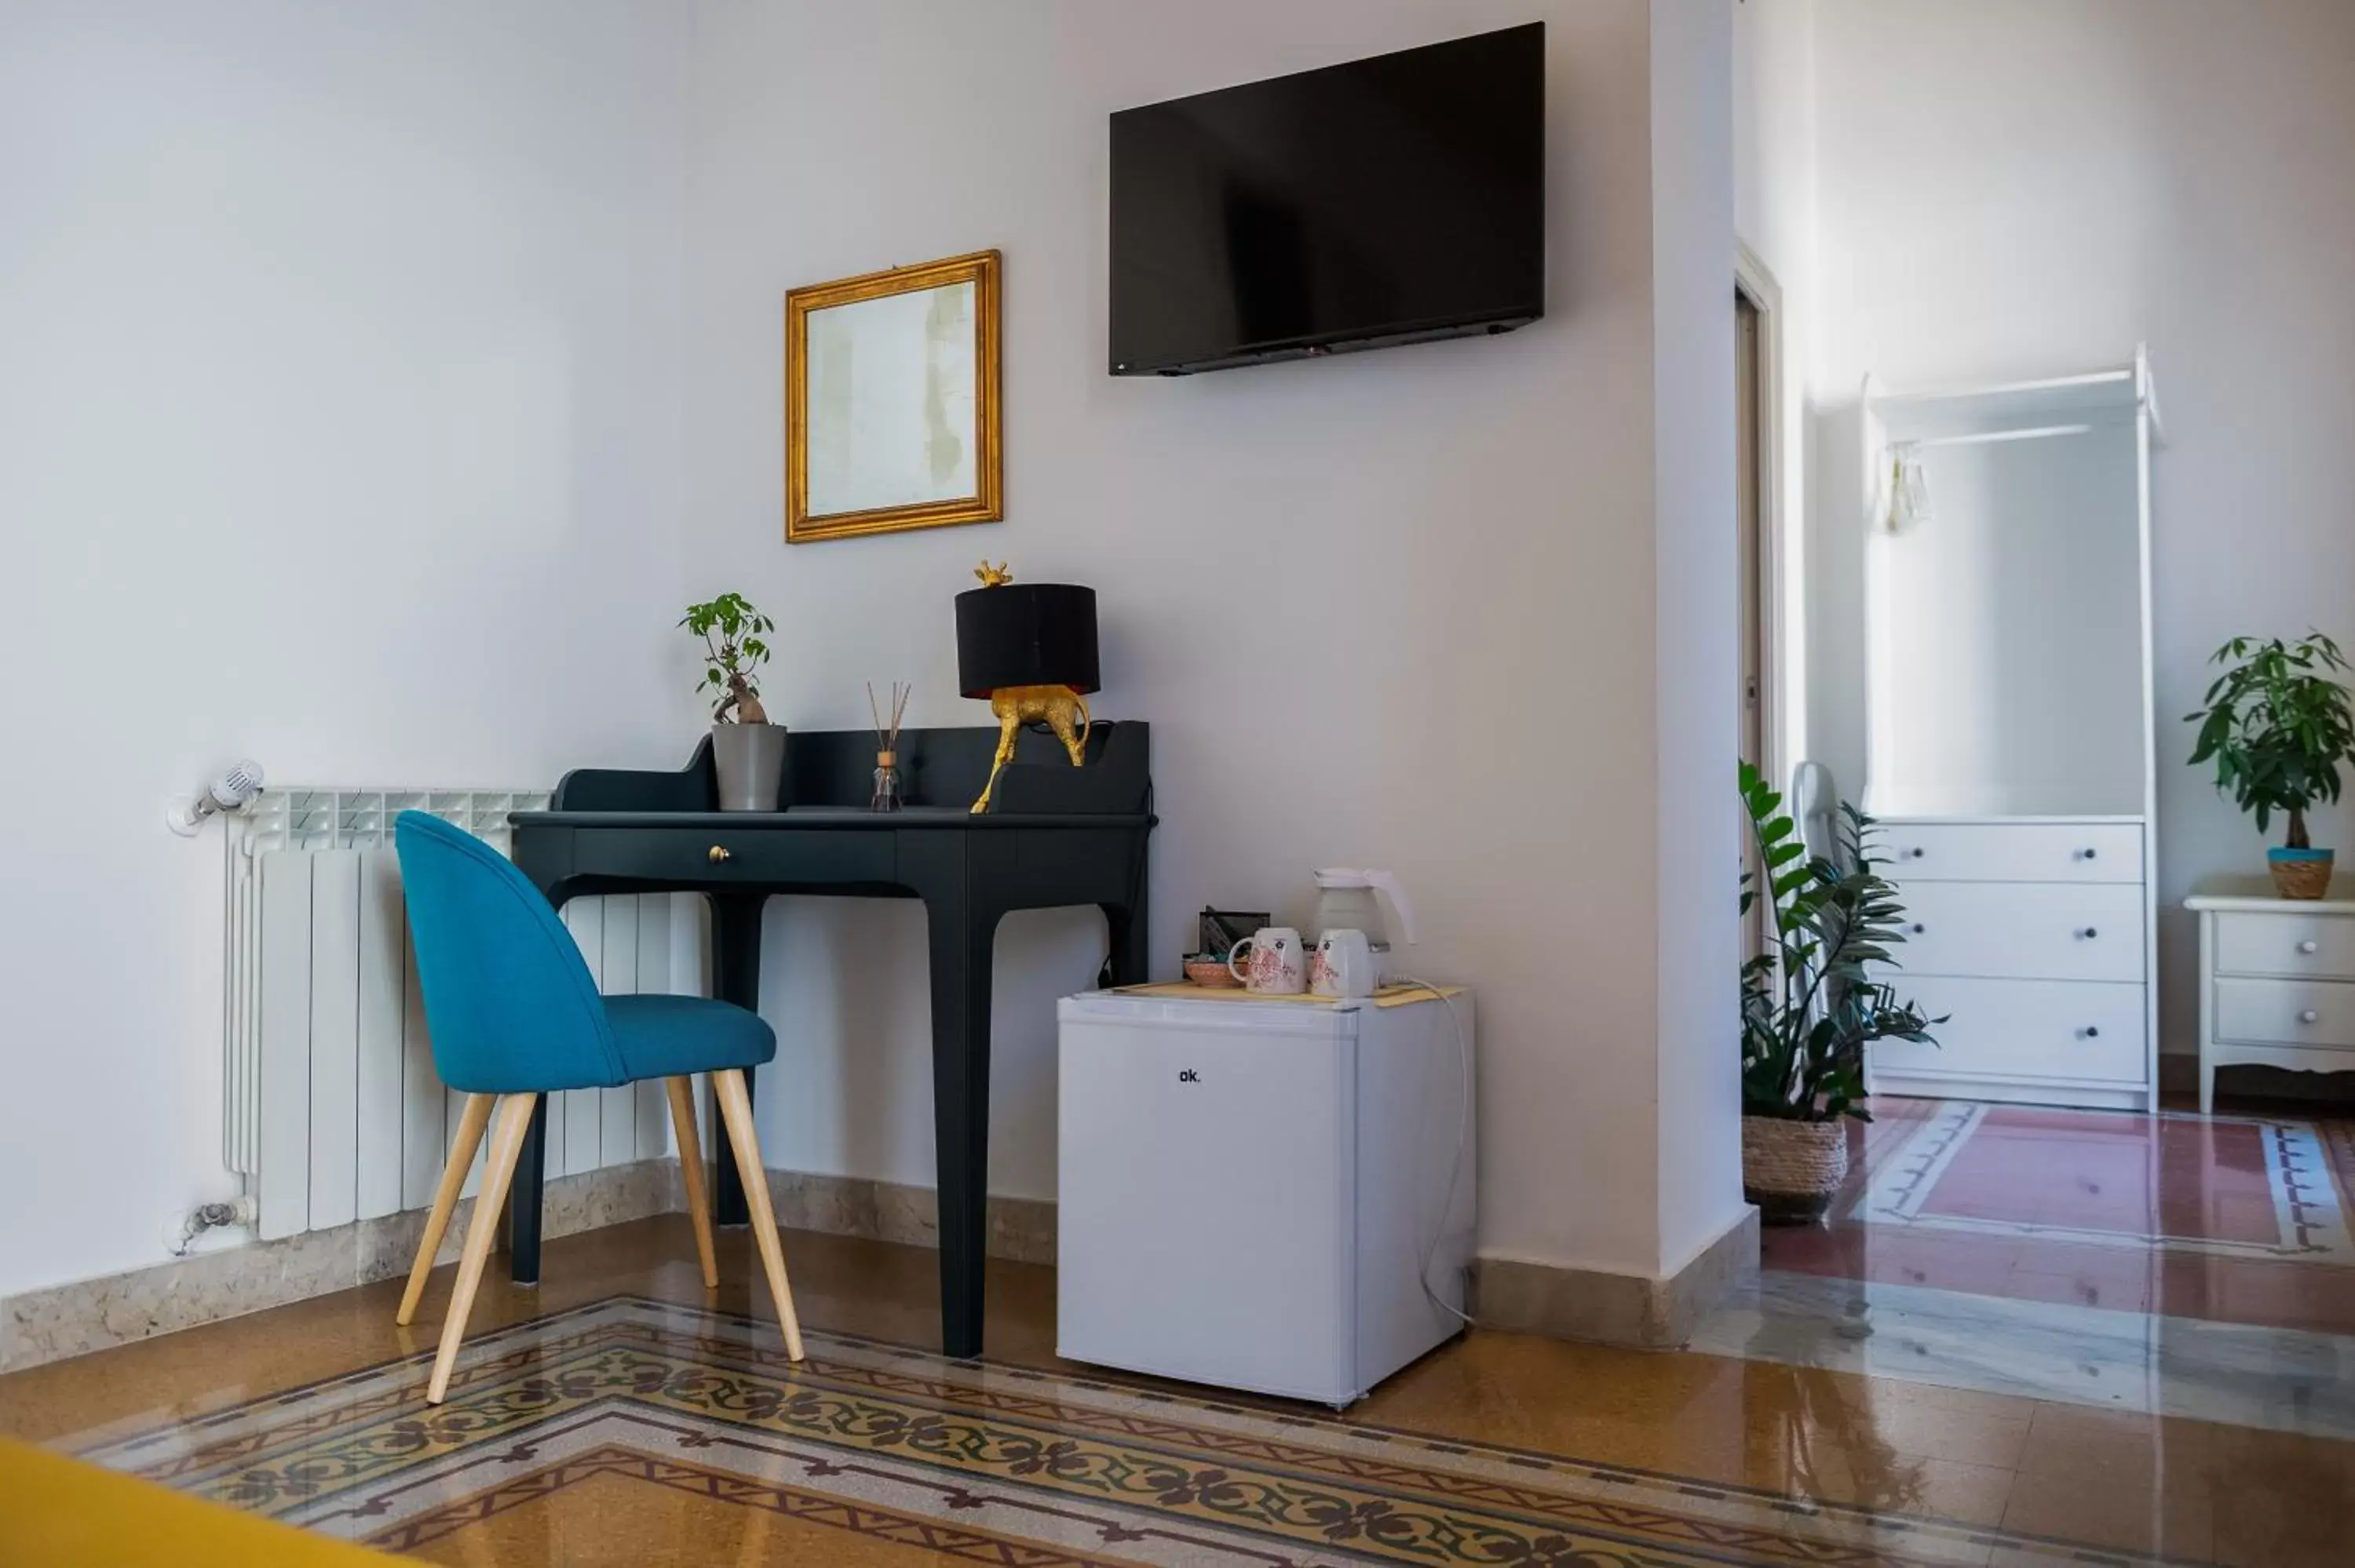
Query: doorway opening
point(1761, 624)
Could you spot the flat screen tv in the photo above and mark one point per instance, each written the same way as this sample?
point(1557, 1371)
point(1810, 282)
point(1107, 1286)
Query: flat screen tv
point(1397, 199)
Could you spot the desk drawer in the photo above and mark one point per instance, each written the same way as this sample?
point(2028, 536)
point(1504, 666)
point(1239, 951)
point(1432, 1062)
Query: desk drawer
point(2013, 851)
point(2312, 1013)
point(2316, 946)
point(2023, 1029)
point(717, 857)
point(2022, 930)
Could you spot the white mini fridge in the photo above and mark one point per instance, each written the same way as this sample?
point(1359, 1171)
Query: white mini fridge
point(1263, 1194)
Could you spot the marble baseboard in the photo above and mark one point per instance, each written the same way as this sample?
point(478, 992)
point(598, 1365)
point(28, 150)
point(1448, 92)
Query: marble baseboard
point(64, 1320)
point(1524, 1298)
point(48, 1325)
point(1021, 1229)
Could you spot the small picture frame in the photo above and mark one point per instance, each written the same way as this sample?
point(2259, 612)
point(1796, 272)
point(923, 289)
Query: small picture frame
point(891, 401)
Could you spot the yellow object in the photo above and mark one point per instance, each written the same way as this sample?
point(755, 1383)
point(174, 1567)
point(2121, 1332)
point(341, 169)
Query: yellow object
point(1389, 996)
point(993, 577)
point(59, 1511)
point(1059, 708)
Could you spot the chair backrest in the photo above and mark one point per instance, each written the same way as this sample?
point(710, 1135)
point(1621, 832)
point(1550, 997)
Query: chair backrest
point(508, 998)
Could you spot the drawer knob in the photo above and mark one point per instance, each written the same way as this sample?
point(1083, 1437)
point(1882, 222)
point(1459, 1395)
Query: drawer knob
point(2084, 854)
point(2310, 1016)
point(2306, 945)
point(2090, 1033)
point(2088, 933)
point(1915, 853)
point(1919, 927)
point(719, 855)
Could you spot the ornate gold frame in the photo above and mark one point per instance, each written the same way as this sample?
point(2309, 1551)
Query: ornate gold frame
point(980, 269)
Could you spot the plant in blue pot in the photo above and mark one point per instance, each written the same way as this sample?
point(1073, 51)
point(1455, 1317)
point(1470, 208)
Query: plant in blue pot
point(2276, 724)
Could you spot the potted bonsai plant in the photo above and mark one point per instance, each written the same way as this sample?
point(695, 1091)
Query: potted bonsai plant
point(2276, 724)
point(1810, 1006)
point(747, 751)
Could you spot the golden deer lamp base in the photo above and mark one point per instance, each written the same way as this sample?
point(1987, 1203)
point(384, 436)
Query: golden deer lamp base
point(1059, 708)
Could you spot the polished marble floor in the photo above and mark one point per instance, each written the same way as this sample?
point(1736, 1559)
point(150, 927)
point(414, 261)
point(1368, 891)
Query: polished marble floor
point(2169, 1266)
point(2237, 1218)
point(622, 1414)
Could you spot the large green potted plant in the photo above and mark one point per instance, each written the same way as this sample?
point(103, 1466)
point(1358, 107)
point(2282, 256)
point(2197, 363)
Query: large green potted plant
point(2276, 726)
point(1810, 1005)
point(748, 752)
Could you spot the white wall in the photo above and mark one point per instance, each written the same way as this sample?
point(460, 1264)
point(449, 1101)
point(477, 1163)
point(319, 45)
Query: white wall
point(434, 354)
point(1411, 608)
point(1696, 715)
point(2012, 187)
point(339, 425)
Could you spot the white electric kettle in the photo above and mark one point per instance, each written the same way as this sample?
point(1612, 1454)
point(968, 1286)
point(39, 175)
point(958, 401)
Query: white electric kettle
point(1346, 901)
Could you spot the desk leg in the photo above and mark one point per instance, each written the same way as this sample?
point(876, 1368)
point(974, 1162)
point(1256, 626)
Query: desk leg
point(1128, 962)
point(735, 976)
point(523, 1198)
point(962, 945)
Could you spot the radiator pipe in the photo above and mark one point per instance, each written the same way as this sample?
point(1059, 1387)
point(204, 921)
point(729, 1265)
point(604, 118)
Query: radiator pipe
point(212, 1216)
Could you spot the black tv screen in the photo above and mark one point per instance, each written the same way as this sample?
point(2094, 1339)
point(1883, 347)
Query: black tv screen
point(1389, 200)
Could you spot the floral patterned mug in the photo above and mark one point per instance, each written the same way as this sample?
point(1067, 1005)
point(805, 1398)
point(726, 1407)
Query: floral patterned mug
point(1278, 966)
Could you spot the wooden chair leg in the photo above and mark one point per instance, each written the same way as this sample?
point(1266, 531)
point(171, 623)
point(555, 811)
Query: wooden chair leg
point(471, 1122)
point(690, 1166)
point(507, 1142)
point(736, 1110)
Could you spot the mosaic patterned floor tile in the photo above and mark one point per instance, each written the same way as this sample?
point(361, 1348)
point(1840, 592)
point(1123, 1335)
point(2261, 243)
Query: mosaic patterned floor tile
point(870, 1452)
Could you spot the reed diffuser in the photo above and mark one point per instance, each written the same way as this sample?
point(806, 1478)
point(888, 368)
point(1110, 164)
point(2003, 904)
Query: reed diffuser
point(886, 745)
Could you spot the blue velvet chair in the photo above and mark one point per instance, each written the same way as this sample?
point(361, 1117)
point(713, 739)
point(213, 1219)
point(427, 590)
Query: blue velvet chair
point(514, 1015)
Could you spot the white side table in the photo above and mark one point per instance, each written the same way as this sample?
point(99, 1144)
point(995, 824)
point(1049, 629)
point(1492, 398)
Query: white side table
point(2277, 979)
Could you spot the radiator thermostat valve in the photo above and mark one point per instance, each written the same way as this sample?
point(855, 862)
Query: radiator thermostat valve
point(229, 792)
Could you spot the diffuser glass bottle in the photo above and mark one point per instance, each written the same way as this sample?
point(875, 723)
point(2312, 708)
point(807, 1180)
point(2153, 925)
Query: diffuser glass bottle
point(886, 796)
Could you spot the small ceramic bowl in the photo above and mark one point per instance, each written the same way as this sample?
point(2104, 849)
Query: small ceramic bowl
point(1211, 971)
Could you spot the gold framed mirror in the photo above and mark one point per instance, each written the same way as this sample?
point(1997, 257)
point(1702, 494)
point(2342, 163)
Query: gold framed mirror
point(891, 401)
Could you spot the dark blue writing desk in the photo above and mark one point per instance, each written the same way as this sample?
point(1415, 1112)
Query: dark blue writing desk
point(1055, 835)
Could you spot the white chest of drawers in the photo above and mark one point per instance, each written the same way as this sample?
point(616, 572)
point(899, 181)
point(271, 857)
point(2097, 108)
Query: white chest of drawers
point(2277, 979)
point(2032, 937)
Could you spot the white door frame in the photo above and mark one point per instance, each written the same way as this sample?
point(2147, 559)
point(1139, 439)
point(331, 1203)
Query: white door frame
point(1756, 283)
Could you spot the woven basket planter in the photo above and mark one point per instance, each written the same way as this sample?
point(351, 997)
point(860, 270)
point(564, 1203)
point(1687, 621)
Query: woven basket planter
point(2300, 874)
point(1791, 1169)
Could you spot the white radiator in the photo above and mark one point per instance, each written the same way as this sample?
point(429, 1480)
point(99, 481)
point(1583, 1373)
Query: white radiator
point(332, 1112)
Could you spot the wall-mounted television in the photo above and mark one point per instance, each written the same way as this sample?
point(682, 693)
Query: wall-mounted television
point(1397, 199)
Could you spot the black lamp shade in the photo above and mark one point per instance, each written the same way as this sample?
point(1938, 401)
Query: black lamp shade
point(1026, 634)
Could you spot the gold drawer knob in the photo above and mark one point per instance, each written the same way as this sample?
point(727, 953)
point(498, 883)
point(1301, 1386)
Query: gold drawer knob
point(719, 855)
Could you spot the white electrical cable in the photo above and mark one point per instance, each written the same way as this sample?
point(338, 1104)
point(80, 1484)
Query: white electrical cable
point(1463, 1139)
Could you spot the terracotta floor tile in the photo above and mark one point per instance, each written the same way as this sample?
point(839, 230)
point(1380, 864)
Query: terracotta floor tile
point(2128, 1482)
point(2281, 1499)
point(2125, 1290)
